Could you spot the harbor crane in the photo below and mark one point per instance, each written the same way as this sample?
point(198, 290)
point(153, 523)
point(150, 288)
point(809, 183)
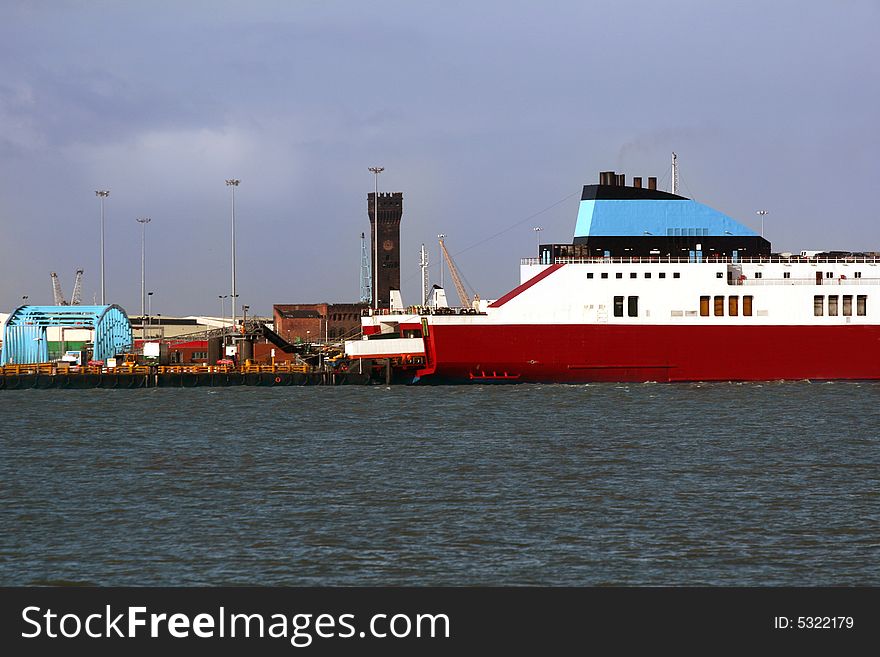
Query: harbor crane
point(456, 277)
point(75, 298)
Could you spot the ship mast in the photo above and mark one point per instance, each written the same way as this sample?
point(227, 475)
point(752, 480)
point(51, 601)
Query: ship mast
point(423, 265)
point(366, 280)
point(674, 174)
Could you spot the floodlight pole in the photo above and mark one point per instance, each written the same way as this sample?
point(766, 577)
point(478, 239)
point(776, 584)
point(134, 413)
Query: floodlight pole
point(376, 171)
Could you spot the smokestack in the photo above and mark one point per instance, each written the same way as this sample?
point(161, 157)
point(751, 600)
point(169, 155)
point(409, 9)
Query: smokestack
point(607, 178)
point(652, 182)
point(621, 179)
point(637, 182)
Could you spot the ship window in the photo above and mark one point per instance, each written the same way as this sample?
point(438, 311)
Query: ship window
point(618, 306)
point(647, 274)
point(759, 274)
point(618, 275)
point(676, 274)
point(662, 274)
point(704, 306)
point(719, 274)
point(632, 306)
point(858, 274)
point(862, 305)
point(604, 274)
point(818, 305)
point(747, 305)
point(719, 306)
point(589, 274)
point(832, 305)
point(733, 306)
point(786, 274)
point(632, 274)
point(847, 305)
point(829, 274)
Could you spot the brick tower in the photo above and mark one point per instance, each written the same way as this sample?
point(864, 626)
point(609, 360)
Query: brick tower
point(390, 213)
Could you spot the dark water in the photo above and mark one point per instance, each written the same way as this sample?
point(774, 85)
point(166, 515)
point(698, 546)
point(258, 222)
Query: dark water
point(773, 484)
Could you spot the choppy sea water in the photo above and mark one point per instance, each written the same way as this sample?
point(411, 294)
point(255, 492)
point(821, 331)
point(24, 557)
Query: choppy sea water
point(653, 484)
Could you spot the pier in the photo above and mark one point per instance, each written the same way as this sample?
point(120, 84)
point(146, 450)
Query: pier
point(64, 376)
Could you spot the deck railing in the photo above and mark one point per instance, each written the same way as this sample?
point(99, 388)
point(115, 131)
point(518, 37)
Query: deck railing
point(53, 369)
point(808, 281)
point(278, 368)
point(705, 260)
point(64, 368)
point(422, 310)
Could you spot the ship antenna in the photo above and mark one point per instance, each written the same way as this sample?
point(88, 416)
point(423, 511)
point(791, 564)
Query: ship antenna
point(674, 174)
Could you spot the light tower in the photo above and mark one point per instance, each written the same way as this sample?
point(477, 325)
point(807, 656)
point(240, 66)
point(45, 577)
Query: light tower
point(102, 194)
point(143, 221)
point(376, 171)
point(762, 214)
point(232, 183)
point(538, 230)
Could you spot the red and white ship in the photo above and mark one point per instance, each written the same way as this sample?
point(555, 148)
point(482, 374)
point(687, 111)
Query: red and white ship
point(654, 287)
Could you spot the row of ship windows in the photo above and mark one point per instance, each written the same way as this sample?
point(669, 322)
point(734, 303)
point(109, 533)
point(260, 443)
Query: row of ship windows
point(687, 232)
point(719, 274)
point(718, 305)
point(831, 303)
point(733, 306)
point(828, 274)
point(632, 274)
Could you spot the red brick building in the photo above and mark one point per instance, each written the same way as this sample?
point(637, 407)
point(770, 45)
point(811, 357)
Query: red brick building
point(308, 322)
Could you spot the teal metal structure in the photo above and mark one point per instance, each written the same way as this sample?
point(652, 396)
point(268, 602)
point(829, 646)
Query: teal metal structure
point(24, 336)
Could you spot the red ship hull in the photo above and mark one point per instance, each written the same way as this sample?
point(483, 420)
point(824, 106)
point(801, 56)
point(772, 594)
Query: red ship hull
point(593, 353)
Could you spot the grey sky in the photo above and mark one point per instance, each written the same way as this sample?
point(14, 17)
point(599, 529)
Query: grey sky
point(483, 113)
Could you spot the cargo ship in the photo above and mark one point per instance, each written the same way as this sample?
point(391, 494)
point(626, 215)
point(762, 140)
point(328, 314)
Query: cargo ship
point(653, 287)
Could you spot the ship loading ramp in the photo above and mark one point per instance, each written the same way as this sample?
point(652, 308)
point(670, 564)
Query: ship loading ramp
point(399, 351)
point(277, 340)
